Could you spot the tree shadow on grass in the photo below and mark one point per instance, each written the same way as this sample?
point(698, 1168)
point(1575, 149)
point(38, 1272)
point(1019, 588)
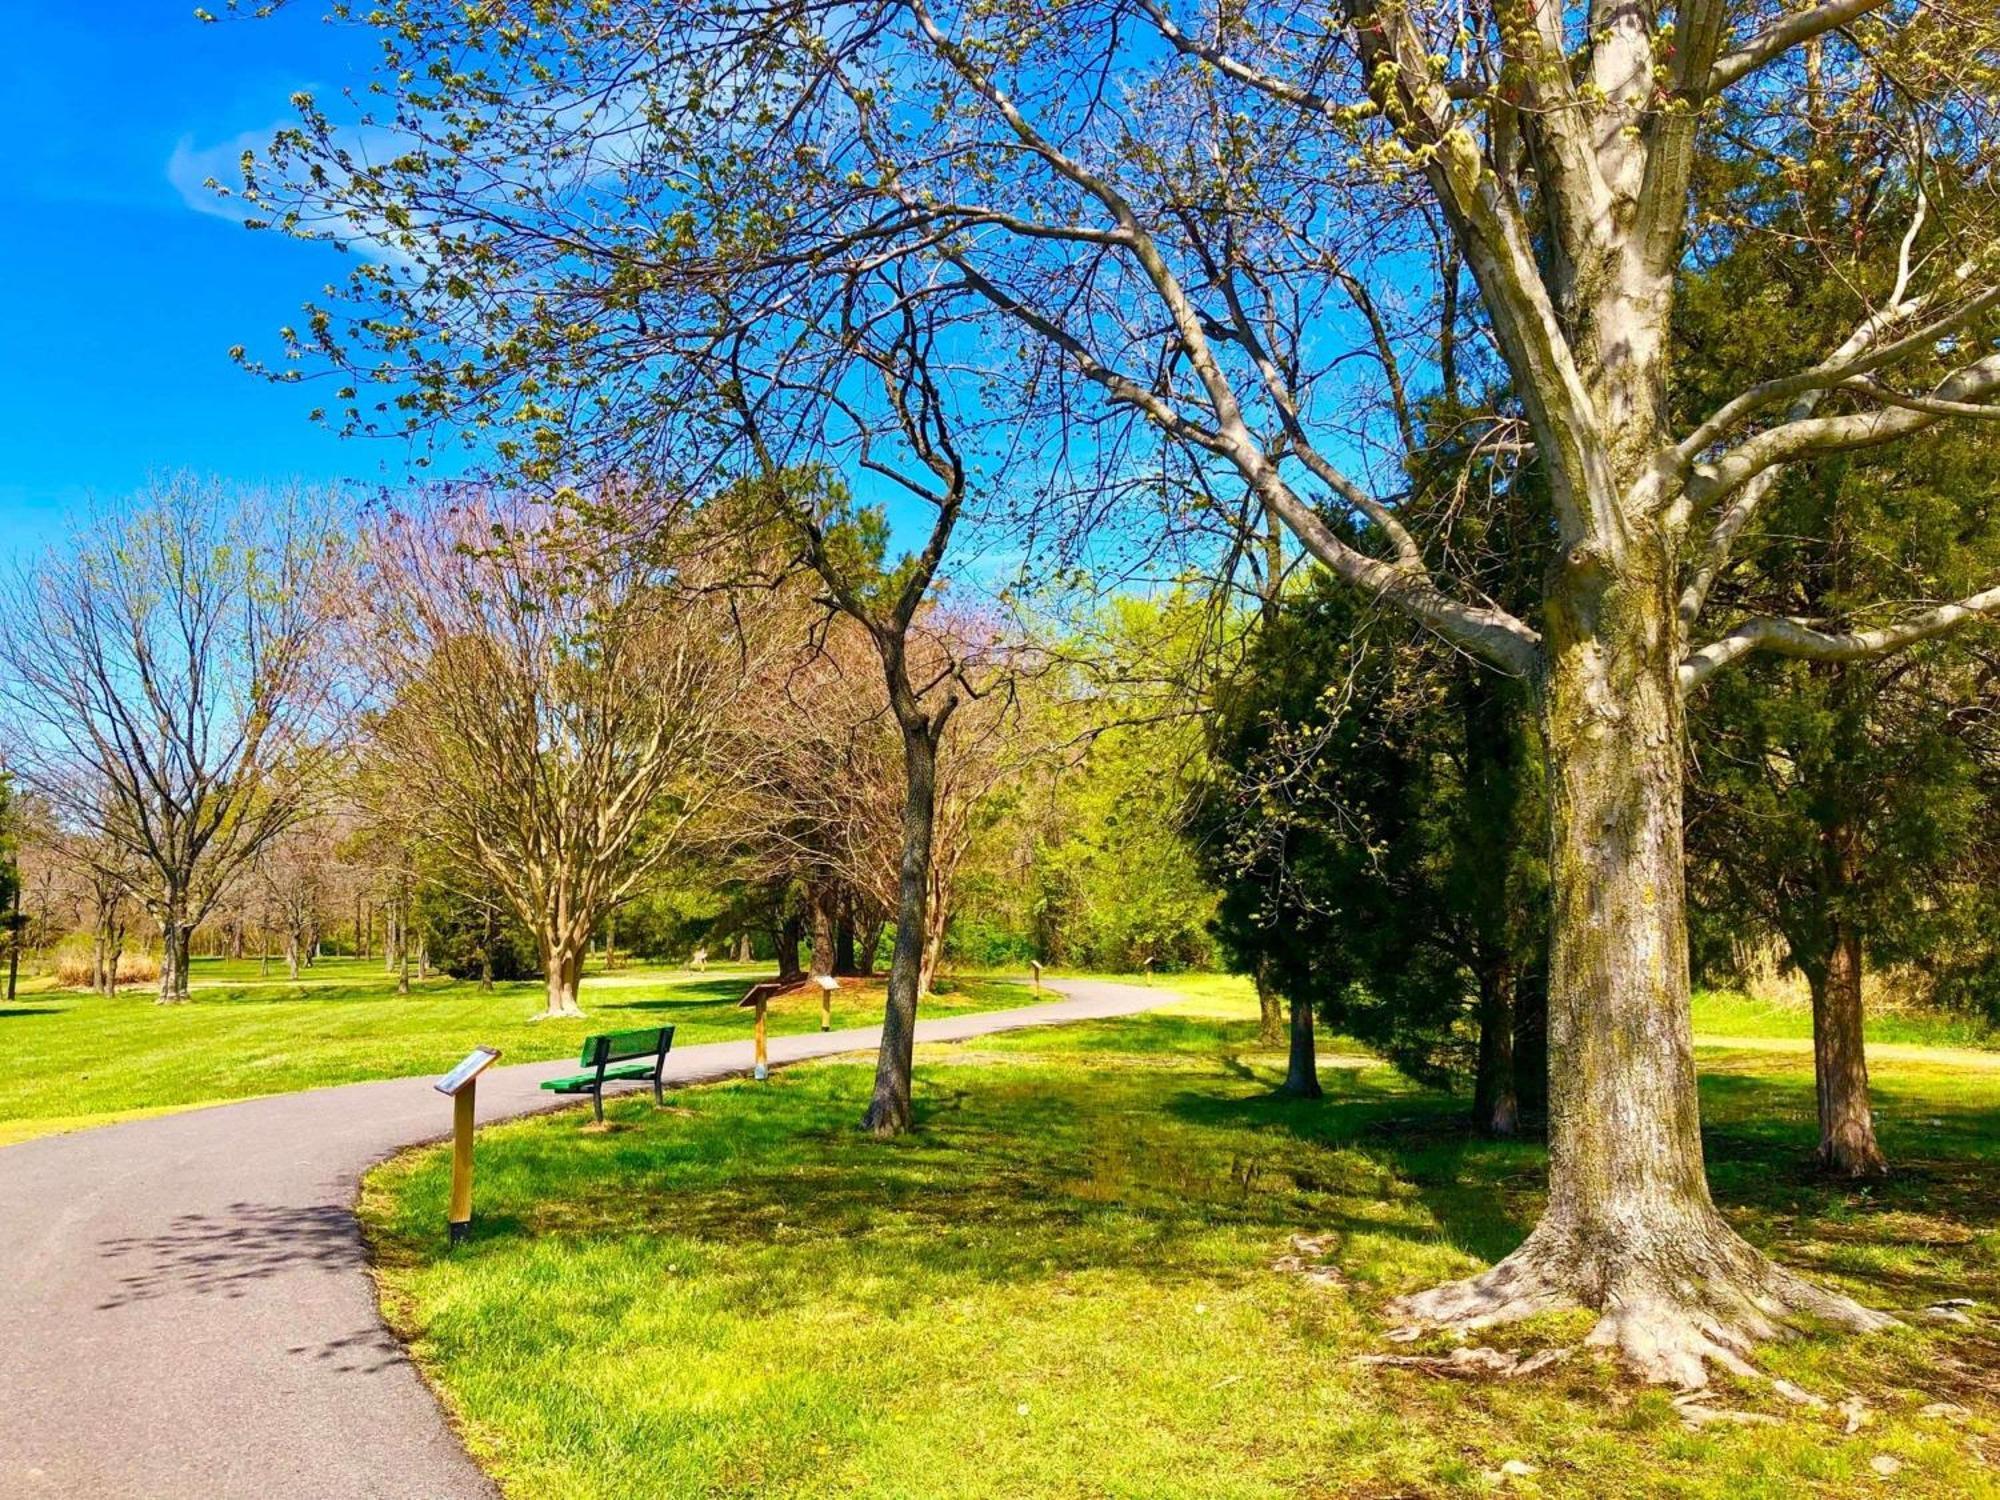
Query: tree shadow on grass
point(1172, 1158)
point(1009, 1180)
point(1910, 1240)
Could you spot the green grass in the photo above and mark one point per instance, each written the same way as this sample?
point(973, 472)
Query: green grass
point(70, 1060)
point(1728, 1013)
point(1063, 1285)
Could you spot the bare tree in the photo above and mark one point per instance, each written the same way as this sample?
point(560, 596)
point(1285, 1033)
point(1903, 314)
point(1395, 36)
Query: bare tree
point(169, 671)
point(559, 706)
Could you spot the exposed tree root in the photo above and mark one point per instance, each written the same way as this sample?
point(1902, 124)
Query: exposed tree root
point(1474, 1360)
point(1672, 1302)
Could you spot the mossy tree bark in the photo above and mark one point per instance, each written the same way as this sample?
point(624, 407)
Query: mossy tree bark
point(1270, 1007)
point(1630, 1229)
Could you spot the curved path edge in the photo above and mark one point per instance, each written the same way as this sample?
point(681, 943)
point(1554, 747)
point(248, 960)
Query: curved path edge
point(185, 1301)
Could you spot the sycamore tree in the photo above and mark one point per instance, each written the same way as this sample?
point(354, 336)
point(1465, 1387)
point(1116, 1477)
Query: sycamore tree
point(1227, 240)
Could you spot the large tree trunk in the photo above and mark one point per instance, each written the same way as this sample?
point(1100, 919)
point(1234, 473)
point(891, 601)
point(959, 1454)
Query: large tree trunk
point(1496, 1105)
point(1629, 1230)
point(821, 897)
point(1302, 1066)
point(889, 1108)
point(1270, 1006)
point(562, 962)
point(1840, 1062)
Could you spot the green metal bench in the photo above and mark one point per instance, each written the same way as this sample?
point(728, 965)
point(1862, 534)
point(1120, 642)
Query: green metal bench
point(612, 1058)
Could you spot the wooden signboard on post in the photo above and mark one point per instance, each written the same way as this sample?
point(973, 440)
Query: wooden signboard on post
point(759, 999)
point(462, 1083)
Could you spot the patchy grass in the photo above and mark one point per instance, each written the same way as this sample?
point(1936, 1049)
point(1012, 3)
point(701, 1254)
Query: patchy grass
point(70, 1060)
point(1064, 1285)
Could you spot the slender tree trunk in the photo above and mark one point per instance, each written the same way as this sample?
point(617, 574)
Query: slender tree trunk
point(789, 928)
point(1840, 1063)
point(175, 936)
point(889, 1109)
point(933, 951)
point(291, 955)
point(869, 945)
point(743, 947)
point(486, 949)
point(843, 942)
point(14, 939)
point(1629, 1229)
point(1302, 1066)
point(1270, 1006)
point(1496, 1107)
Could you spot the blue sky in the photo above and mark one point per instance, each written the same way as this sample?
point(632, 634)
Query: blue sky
point(122, 283)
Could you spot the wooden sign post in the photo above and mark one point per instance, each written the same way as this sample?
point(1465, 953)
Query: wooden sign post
point(759, 999)
point(827, 985)
point(1036, 966)
point(462, 1083)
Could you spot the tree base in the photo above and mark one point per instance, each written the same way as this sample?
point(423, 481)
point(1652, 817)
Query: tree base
point(1854, 1159)
point(558, 1013)
point(885, 1120)
point(1671, 1301)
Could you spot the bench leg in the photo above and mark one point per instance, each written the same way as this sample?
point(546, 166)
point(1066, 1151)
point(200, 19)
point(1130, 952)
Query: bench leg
point(659, 1094)
point(597, 1103)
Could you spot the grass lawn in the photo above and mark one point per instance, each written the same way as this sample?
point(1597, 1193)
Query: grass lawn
point(69, 1060)
point(1072, 1281)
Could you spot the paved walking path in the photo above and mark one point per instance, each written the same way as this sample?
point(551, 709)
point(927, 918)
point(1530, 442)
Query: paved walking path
point(185, 1308)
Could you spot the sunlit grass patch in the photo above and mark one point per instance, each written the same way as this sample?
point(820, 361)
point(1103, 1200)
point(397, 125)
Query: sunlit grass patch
point(1083, 1277)
point(70, 1060)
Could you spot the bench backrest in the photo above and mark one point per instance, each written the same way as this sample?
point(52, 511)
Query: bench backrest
point(620, 1046)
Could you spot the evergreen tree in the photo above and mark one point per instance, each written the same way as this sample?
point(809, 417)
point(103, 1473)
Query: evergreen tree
point(1379, 829)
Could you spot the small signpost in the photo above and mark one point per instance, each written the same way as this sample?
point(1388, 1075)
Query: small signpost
point(1036, 966)
point(462, 1083)
point(760, 997)
point(827, 985)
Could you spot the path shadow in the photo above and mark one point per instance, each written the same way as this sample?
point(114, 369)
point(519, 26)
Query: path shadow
point(224, 1255)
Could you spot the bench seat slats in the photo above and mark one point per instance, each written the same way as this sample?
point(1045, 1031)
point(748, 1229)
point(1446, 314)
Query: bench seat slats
point(583, 1082)
point(609, 1058)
